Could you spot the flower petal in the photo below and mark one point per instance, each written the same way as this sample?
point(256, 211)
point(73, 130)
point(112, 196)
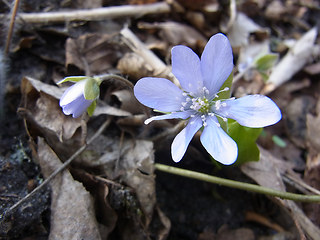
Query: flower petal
point(252, 111)
point(72, 93)
point(186, 68)
point(182, 140)
point(216, 63)
point(181, 115)
point(77, 107)
point(159, 93)
point(217, 143)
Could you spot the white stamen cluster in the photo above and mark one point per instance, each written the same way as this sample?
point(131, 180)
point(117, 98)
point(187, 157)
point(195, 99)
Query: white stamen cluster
point(202, 105)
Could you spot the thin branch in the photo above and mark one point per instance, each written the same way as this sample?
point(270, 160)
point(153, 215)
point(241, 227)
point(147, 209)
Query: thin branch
point(239, 185)
point(11, 26)
point(95, 14)
point(61, 168)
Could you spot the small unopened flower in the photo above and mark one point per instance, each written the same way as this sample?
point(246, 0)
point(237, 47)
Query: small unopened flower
point(80, 97)
point(199, 103)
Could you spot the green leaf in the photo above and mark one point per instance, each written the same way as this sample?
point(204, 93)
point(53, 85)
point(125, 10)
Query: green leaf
point(91, 89)
point(72, 79)
point(91, 108)
point(225, 95)
point(245, 138)
point(266, 62)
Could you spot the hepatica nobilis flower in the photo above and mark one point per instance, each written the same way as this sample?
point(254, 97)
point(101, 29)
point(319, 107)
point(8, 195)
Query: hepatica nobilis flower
point(81, 96)
point(199, 103)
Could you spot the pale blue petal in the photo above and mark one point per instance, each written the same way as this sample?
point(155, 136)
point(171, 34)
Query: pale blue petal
point(186, 68)
point(77, 107)
point(181, 115)
point(217, 143)
point(72, 93)
point(252, 111)
point(182, 140)
point(216, 63)
point(159, 93)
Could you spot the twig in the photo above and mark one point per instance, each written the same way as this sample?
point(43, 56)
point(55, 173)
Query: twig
point(11, 26)
point(61, 168)
point(238, 185)
point(299, 184)
point(133, 42)
point(95, 14)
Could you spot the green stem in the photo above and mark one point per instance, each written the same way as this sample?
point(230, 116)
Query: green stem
point(238, 185)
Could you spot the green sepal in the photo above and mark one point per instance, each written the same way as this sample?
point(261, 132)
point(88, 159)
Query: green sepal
point(72, 79)
point(91, 89)
point(226, 84)
point(245, 138)
point(155, 110)
point(225, 95)
point(91, 108)
point(266, 62)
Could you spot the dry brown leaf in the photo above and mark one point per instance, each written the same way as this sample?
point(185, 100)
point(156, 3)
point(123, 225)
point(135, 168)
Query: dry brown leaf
point(275, 10)
point(92, 53)
point(312, 177)
point(241, 28)
point(313, 130)
point(297, 57)
point(296, 119)
point(266, 173)
point(83, 4)
point(230, 234)
point(45, 118)
point(72, 211)
point(131, 163)
point(135, 66)
point(177, 33)
point(128, 101)
point(104, 108)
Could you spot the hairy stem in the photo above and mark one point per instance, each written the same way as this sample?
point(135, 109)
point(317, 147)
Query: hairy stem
point(238, 185)
point(105, 77)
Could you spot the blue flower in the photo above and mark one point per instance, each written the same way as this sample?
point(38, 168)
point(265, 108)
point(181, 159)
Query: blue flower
point(198, 101)
point(79, 97)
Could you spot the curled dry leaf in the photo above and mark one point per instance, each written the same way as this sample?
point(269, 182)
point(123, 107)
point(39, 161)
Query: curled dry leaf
point(241, 29)
point(134, 65)
point(297, 57)
point(44, 117)
point(72, 211)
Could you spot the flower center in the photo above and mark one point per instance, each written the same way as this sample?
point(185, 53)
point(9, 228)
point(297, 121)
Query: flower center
point(200, 104)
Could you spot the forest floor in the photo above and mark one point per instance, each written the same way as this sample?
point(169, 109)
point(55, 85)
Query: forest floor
point(111, 190)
